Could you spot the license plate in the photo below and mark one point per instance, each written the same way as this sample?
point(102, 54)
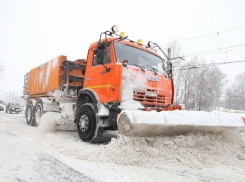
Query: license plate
point(17, 109)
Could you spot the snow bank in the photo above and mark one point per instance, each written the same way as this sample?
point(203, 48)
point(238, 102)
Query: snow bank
point(196, 150)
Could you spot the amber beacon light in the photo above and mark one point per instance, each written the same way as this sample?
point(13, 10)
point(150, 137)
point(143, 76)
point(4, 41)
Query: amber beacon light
point(139, 41)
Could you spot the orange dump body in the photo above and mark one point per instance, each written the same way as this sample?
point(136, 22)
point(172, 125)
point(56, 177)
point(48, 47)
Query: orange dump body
point(50, 76)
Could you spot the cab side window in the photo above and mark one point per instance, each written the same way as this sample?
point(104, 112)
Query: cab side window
point(106, 58)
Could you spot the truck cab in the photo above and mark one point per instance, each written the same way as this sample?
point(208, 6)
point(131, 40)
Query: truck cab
point(127, 61)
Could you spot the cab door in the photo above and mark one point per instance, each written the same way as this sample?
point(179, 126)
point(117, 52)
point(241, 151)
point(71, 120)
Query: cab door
point(100, 75)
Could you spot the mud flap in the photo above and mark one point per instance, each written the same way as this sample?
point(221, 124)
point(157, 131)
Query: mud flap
point(113, 112)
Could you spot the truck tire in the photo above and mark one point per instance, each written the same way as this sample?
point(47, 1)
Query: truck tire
point(38, 112)
point(87, 124)
point(29, 113)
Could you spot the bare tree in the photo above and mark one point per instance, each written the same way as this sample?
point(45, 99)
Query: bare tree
point(235, 94)
point(199, 88)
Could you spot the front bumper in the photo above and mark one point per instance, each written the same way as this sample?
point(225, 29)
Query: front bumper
point(15, 110)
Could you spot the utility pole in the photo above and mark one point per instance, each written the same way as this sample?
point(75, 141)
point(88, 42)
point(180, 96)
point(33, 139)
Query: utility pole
point(168, 61)
point(9, 95)
point(12, 95)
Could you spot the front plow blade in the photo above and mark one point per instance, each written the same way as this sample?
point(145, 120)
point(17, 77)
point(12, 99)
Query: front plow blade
point(169, 123)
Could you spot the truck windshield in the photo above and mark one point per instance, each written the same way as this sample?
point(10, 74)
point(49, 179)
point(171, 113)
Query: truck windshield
point(139, 57)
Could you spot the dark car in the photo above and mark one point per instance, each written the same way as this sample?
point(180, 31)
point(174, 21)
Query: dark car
point(1, 105)
point(13, 107)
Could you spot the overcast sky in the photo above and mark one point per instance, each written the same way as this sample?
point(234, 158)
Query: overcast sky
point(33, 32)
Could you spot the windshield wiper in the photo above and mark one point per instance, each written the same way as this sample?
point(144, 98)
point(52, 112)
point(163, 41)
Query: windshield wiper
point(153, 69)
point(141, 67)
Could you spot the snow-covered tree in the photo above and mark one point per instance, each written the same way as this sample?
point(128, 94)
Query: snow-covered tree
point(235, 94)
point(199, 85)
point(198, 88)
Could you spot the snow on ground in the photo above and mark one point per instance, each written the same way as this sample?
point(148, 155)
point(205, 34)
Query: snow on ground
point(30, 154)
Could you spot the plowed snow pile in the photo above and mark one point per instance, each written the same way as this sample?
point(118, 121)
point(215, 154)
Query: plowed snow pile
point(195, 150)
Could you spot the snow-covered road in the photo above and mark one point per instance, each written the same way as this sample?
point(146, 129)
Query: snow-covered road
point(23, 160)
point(29, 154)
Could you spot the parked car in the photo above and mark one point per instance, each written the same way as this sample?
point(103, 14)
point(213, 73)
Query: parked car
point(1, 105)
point(13, 107)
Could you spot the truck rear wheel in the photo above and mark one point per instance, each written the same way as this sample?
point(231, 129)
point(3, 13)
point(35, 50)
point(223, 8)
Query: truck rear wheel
point(38, 112)
point(87, 124)
point(29, 113)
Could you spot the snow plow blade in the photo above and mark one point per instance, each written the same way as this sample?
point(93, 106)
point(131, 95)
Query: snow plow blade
point(169, 123)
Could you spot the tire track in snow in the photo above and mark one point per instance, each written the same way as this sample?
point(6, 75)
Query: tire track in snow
point(51, 169)
point(21, 160)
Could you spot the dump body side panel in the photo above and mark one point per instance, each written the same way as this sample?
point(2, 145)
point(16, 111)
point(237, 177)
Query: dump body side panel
point(54, 75)
point(46, 77)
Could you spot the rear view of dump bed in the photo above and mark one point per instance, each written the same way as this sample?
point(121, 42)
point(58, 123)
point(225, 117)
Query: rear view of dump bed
point(51, 75)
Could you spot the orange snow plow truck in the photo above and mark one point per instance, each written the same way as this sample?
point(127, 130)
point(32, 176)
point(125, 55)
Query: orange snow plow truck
point(121, 79)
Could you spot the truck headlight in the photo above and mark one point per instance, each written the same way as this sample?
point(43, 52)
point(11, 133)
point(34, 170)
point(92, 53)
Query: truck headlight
point(114, 29)
point(125, 63)
point(150, 44)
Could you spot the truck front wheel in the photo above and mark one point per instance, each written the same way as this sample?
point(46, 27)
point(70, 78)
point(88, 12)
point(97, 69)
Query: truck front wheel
point(87, 125)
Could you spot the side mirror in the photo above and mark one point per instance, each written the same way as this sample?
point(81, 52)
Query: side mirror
point(99, 52)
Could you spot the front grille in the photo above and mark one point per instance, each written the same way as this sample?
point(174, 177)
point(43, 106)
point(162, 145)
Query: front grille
point(150, 98)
